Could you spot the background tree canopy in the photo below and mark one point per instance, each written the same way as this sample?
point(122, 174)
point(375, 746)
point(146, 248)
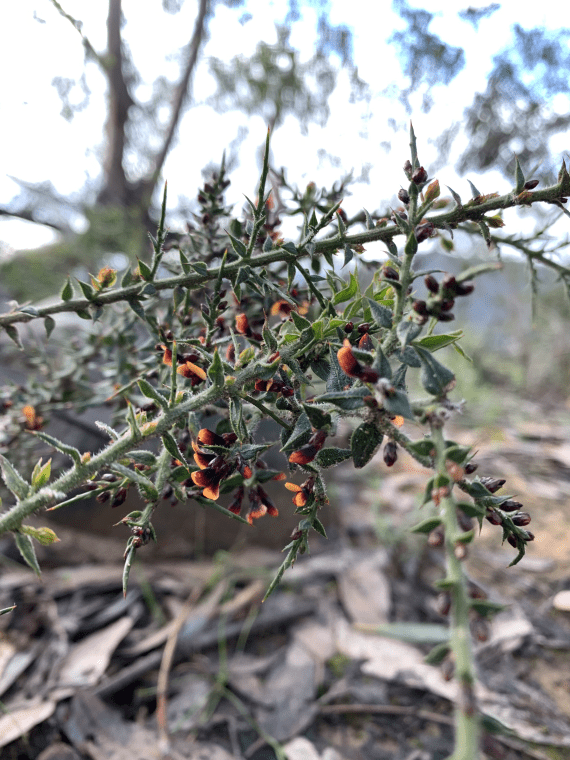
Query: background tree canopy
point(168, 90)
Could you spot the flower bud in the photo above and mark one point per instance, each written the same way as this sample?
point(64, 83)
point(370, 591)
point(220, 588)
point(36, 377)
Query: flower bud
point(120, 497)
point(420, 307)
point(493, 485)
point(464, 288)
point(424, 231)
point(363, 328)
point(431, 283)
point(404, 196)
point(446, 316)
point(390, 273)
point(521, 519)
point(512, 539)
point(530, 184)
point(493, 517)
point(419, 176)
point(470, 468)
point(408, 169)
point(390, 453)
point(510, 505)
point(432, 191)
point(348, 328)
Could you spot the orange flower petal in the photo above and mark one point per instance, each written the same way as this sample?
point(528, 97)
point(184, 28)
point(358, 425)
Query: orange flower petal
point(212, 492)
point(293, 487)
point(398, 420)
point(167, 358)
point(191, 370)
point(300, 499)
point(255, 514)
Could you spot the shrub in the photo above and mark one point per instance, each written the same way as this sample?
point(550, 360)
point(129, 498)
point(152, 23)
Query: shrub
point(222, 329)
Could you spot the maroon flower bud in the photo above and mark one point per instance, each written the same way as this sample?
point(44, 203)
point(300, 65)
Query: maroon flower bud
point(530, 184)
point(446, 316)
point(528, 536)
point(403, 195)
point(424, 231)
point(464, 288)
point(390, 273)
point(420, 307)
point(493, 484)
point(419, 176)
point(521, 519)
point(408, 169)
point(512, 539)
point(103, 497)
point(120, 497)
point(465, 522)
point(493, 517)
point(108, 477)
point(363, 328)
point(365, 343)
point(431, 283)
point(449, 284)
point(167, 492)
point(510, 506)
point(348, 328)
point(447, 304)
point(390, 453)
point(470, 468)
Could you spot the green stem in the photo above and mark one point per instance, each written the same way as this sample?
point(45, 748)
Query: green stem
point(265, 410)
point(467, 728)
point(311, 285)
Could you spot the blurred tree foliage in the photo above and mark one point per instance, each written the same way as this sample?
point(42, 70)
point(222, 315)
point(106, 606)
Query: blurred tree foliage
point(515, 113)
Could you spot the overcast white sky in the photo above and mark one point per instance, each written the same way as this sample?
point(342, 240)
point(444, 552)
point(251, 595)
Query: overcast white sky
point(39, 145)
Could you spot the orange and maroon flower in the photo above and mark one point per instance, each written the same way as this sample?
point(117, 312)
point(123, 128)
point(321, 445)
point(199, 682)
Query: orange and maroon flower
point(191, 372)
point(352, 367)
point(302, 492)
point(309, 451)
point(33, 420)
point(270, 507)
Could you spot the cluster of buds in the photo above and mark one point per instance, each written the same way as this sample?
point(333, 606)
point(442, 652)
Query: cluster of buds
point(362, 330)
point(512, 508)
point(441, 298)
point(141, 536)
point(309, 451)
point(352, 367)
point(215, 467)
point(274, 386)
point(110, 489)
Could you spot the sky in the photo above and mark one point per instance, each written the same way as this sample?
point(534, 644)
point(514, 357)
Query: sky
point(44, 146)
